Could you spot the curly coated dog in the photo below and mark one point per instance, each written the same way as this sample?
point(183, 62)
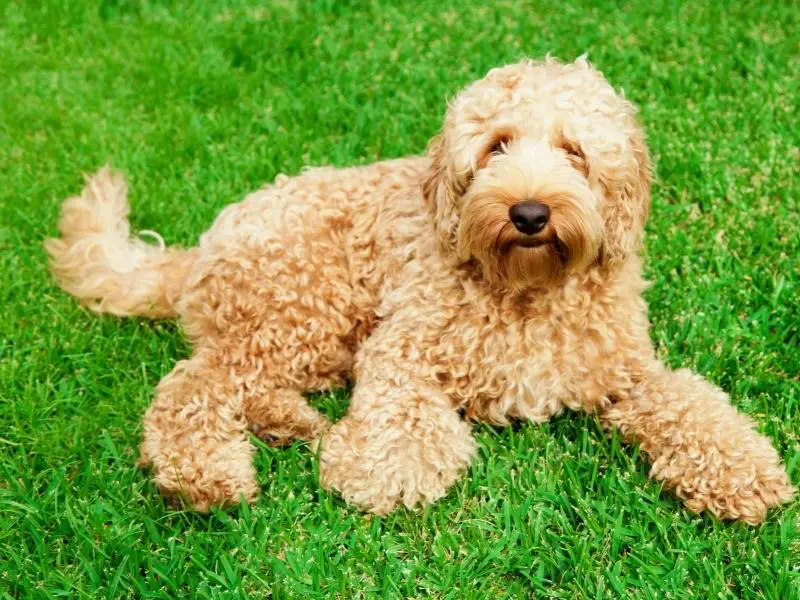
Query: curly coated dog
point(496, 278)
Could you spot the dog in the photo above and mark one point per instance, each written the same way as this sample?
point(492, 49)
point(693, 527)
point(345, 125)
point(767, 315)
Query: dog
point(495, 279)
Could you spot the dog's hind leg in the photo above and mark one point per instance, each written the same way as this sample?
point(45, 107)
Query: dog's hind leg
point(280, 415)
point(285, 316)
point(195, 435)
point(196, 430)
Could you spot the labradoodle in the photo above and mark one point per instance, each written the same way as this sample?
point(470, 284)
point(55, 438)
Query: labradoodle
point(496, 278)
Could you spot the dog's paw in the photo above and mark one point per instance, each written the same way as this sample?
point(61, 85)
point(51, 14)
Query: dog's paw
point(742, 489)
point(745, 496)
point(279, 417)
point(379, 465)
point(287, 434)
point(200, 477)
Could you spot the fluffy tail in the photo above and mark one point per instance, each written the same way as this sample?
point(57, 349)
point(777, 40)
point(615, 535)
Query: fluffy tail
point(97, 261)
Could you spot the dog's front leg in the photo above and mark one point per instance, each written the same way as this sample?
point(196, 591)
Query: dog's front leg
point(709, 454)
point(402, 441)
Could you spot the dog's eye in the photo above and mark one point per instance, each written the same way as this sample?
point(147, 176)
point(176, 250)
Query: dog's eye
point(499, 147)
point(572, 150)
point(571, 147)
point(576, 157)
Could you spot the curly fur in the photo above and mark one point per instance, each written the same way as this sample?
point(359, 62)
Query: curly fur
point(409, 276)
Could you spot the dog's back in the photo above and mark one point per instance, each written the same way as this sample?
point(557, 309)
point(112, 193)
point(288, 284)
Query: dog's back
point(359, 211)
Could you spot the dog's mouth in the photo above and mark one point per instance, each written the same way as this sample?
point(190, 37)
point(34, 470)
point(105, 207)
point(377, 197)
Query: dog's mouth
point(532, 242)
point(537, 242)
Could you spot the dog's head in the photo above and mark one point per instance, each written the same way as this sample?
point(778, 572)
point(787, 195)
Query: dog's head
point(540, 170)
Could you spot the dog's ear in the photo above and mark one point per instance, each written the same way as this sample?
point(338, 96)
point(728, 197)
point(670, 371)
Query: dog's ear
point(441, 196)
point(628, 204)
point(435, 171)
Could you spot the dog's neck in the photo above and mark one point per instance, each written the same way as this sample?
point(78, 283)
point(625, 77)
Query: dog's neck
point(599, 277)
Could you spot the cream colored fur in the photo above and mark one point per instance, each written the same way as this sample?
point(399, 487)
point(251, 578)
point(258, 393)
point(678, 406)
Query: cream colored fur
point(408, 276)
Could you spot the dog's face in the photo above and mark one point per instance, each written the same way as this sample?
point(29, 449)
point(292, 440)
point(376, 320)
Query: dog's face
point(540, 171)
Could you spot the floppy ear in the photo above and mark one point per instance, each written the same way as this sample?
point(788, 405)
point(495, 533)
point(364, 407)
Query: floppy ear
point(441, 196)
point(431, 181)
point(628, 205)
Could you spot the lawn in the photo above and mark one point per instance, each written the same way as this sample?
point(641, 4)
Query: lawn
point(201, 102)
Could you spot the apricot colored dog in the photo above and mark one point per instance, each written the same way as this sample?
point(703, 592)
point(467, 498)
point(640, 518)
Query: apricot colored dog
point(496, 278)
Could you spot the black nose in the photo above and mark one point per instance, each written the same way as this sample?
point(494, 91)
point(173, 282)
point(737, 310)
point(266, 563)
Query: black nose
point(529, 217)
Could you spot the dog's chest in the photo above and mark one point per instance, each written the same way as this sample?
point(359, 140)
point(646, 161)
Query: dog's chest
point(507, 367)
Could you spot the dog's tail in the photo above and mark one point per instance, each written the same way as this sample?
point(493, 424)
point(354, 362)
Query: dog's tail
point(97, 261)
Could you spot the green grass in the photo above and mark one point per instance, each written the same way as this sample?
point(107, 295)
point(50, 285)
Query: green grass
point(199, 105)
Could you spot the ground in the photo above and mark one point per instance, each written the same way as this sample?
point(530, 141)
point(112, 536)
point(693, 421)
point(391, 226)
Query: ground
point(201, 102)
